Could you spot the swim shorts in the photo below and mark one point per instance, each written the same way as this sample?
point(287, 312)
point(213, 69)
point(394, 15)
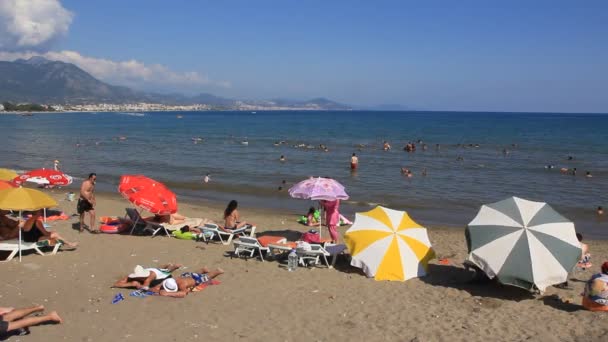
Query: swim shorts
point(83, 206)
point(3, 326)
point(197, 277)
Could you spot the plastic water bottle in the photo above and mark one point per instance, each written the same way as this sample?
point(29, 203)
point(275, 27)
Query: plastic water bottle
point(292, 261)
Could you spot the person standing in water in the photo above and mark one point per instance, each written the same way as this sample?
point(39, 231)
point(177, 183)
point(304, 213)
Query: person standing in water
point(207, 178)
point(86, 202)
point(354, 162)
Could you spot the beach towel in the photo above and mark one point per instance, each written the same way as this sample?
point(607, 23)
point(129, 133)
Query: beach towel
point(203, 286)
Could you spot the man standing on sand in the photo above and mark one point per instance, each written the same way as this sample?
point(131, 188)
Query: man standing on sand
point(86, 202)
point(354, 162)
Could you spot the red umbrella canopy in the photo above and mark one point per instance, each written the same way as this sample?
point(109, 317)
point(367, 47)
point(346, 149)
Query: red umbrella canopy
point(6, 185)
point(148, 194)
point(44, 176)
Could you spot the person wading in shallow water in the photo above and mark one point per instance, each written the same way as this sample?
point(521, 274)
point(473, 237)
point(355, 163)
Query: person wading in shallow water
point(86, 202)
point(354, 162)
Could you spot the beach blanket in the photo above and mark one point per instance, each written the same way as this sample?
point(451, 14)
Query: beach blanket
point(203, 286)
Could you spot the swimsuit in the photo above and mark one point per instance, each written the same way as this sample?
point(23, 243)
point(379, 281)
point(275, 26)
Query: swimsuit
point(161, 275)
point(3, 325)
point(197, 277)
point(83, 205)
point(32, 235)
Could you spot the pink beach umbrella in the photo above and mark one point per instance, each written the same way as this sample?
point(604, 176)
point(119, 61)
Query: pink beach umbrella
point(318, 189)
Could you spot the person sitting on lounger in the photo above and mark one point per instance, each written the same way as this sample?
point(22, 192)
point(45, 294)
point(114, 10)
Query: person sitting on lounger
point(34, 231)
point(9, 228)
point(231, 217)
point(14, 319)
point(144, 278)
point(179, 287)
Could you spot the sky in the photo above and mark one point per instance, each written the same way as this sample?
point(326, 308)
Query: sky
point(514, 55)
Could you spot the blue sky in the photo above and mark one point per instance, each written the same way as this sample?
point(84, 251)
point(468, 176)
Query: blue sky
point(444, 55)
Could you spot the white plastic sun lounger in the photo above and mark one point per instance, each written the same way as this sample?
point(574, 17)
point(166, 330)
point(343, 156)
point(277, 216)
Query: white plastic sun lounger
point(227, 236)
point(13, 247)
point(250, 245)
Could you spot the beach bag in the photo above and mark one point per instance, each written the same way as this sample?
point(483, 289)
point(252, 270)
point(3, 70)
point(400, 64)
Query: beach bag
point(311, 236)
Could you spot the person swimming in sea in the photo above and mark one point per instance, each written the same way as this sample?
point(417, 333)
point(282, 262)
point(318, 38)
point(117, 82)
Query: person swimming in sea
point(549, 166)
point(282, 159)
point(207, 178)
point(600, 210)
point(588, 174)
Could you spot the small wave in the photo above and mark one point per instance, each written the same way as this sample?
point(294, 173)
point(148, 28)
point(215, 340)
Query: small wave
point(132, 114)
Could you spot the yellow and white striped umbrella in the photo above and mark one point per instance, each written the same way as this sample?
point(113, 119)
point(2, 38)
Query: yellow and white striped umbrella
point(388, 245)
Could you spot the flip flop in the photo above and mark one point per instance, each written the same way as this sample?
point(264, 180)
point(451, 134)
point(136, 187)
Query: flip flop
point(117, 298)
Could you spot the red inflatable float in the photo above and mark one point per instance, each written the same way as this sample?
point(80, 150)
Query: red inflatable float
point(112, 227)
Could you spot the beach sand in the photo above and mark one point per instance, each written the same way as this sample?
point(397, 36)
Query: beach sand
point(261, 301)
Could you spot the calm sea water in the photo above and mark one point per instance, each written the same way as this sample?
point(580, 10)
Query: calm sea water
point(160, 145)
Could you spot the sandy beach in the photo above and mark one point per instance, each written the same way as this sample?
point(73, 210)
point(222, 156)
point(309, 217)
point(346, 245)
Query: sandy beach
point(262, 301)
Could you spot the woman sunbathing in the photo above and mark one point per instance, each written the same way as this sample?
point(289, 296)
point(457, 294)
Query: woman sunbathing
point(34, 231)
point(144, 278)
point(170, 219)
point(9, 228)
point(187, 282)
point(231, 217)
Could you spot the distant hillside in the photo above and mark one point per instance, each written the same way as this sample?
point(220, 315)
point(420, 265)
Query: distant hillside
point(42, 81)
point(38, 80)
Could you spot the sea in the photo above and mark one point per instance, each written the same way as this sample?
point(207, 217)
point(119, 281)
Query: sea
point(470, 158)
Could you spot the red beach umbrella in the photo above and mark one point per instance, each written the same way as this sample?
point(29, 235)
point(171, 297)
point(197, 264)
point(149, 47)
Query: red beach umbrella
point(6, 185)
point(148, 194)
point(44, 176)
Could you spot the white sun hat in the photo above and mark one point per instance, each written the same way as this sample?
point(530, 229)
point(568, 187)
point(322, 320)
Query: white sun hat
point(139, 272)
point(170, 285)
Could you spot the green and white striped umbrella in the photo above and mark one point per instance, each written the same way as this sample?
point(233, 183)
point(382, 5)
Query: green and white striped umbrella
point(523, 243)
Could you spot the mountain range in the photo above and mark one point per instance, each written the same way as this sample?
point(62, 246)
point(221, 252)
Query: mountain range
point(39, 80)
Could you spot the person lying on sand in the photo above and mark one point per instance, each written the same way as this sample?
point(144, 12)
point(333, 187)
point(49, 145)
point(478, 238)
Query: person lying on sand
point(34, 231)
point(144, 278)
point(13, 319)
point(170, 219)
point(179, 287)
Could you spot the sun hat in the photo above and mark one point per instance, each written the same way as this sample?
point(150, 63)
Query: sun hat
point(56, 161)
point(170, 285)
point(139, 272)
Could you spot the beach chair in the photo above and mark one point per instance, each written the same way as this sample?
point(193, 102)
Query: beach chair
point(142, 226)
point(12, 246)
point(227, 236)
point(250, 245)
point(313, 256)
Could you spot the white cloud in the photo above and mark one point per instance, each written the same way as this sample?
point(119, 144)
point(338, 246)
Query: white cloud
point(130, 73)
point(32, 24)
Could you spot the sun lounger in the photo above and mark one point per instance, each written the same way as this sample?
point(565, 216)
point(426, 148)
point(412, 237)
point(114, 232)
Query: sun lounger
point(13, 247)
point(142, 226)
point(226, 236)
point(312, 256)
point(250, 245)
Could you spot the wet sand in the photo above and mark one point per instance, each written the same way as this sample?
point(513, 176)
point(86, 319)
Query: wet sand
point(261, 301)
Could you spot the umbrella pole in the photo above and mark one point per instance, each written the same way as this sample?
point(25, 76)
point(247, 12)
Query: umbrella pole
point(19, 237)
point(44, 215)
point(320, 220)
